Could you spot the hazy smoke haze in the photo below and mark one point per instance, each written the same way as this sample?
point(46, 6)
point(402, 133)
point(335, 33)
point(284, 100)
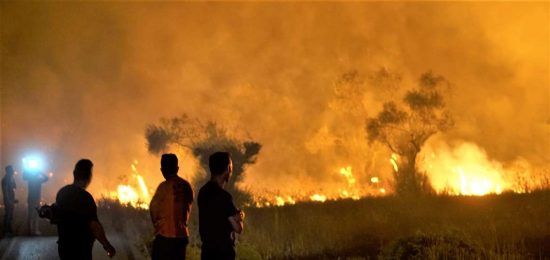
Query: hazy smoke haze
point(85, 79)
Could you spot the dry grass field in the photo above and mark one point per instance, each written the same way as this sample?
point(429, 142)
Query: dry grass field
point(506, 226)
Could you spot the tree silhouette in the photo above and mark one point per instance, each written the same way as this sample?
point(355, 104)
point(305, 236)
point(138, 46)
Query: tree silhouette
point(203, 139)
point(405, 126)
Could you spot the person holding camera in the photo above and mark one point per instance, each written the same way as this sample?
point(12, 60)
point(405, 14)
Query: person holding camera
point(34, 178)
point(75, 214)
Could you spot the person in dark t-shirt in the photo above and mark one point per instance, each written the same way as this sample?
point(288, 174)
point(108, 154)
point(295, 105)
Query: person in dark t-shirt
point(219, 219)
point(75, 214)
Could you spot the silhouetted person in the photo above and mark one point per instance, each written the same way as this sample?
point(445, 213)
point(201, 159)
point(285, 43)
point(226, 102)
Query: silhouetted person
point(8, 191)
point(34, 178)
point(219, 219)
point(75, 214)
point(169, 210)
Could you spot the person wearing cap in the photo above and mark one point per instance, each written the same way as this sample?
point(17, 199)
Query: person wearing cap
point(169, 211)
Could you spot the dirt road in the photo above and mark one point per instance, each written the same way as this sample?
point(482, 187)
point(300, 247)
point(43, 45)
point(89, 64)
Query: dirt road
point(45, 247)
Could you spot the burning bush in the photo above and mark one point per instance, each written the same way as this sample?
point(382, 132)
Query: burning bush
point(405, 125)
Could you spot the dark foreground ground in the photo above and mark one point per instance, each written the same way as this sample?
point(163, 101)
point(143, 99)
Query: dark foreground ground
point(45, 247)
point(507, 226)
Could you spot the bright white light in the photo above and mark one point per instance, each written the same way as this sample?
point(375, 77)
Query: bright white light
point(32, 163)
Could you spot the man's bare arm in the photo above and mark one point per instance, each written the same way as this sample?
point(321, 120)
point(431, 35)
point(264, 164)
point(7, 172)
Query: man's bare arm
point(237, 222)
point(99, 234)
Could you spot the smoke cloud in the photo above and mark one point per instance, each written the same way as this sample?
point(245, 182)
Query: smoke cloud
point(83, 80)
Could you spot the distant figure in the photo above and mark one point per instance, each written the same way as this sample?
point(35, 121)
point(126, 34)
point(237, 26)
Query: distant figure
point(169, 210)
point(75, 214)
point(34, 178)
point(219, 219)
point(8, 192)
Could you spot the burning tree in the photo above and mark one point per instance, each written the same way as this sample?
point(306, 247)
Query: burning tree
point(405, 126)
point(203, 139)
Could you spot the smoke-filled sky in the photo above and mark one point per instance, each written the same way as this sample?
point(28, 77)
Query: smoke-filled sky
point(85, 79)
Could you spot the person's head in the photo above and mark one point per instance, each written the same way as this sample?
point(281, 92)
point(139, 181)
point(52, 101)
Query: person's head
point(220, 165)
point(83, 172)
point(169, 165)
point(9, 170)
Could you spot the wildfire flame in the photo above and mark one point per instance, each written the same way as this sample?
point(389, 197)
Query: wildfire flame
point(318, 197)
point(464, 169)
point(476, 185)
point(346, 171)
point(281, 201)
point(136, 196)
point(393, 161)
point(351, 190)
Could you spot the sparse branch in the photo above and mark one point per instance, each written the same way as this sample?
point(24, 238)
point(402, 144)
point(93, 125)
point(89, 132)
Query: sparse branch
point(415, 145)
point(388, 143)
point(397, 128)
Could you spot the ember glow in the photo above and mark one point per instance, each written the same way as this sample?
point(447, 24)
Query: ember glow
point(318, 197)
point(374, 180)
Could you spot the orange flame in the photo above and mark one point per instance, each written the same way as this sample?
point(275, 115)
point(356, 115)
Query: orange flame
point(318, 197)
point(464, 169)
point(127, 194)
point(393, 161)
